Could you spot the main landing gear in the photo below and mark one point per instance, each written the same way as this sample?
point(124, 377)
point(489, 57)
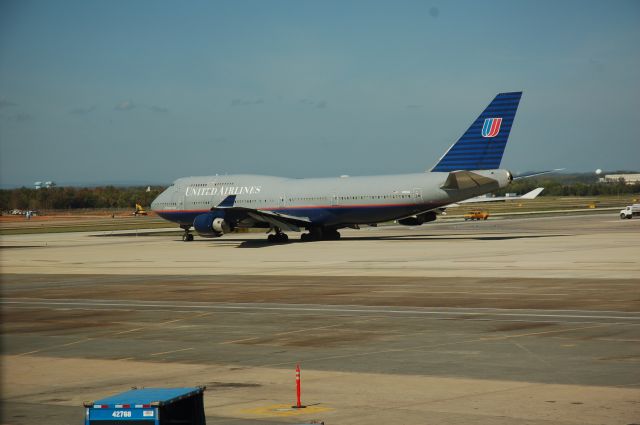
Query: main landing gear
point(278, 237)
point(186, 236)
point(320, 234)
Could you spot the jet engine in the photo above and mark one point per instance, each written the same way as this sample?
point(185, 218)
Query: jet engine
point(419, 219)
point(212, 224)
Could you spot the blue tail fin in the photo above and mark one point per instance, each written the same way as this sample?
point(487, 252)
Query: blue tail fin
point(482, 146)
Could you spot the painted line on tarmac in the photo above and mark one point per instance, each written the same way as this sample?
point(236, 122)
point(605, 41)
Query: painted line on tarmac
point(170, 352)
point(57, 346)
point(429, 347)
point(521, 313)
point(282, 333)
point(477, 293)
point(363, 307)
point(128, 331)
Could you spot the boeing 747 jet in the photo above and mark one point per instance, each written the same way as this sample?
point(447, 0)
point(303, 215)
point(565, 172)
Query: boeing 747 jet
point(215, 205)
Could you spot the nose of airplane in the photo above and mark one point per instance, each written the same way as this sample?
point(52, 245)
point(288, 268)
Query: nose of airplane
point(155, 204)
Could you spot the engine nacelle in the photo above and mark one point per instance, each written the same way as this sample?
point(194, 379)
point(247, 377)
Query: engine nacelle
point(219, 225)
point(419, 219)
point(212, 224)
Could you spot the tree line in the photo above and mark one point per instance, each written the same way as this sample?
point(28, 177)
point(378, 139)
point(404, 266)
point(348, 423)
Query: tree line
point(60, 198)
point(556, 187)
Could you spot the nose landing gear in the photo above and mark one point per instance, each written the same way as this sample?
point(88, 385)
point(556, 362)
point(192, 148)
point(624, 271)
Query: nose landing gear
point(186, 236)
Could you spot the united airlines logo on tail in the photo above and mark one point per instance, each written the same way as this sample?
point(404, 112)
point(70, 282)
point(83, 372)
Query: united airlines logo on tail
point(491, 127)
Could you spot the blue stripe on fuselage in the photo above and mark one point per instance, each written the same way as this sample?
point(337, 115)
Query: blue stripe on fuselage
point(338, 215)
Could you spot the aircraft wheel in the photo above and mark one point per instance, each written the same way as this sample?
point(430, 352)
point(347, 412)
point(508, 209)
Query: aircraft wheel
point(331, 234)
point(278, 238)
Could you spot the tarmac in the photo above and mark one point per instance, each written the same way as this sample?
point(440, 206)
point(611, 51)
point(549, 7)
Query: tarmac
point(524, 320)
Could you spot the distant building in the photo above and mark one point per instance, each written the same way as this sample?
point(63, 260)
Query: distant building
point(47, 184)
point(624, 178)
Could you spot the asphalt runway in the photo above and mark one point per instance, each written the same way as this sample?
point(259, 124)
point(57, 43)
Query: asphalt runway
point(533, 321)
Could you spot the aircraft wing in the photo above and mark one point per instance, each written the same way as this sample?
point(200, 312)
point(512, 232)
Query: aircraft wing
point(275, 219)
point(283, 221)
point(529, 195)
point(533, 194)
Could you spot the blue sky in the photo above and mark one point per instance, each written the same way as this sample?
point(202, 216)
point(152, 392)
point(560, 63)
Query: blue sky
point(148, 91)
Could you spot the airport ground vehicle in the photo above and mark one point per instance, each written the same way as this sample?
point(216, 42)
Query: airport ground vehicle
point(476, 215)
point(139, 210)
point(149, 406)
point(630, 211)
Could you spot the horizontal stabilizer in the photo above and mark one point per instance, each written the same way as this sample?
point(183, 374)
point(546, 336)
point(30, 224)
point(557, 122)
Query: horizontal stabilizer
point(462, 180)
point(527, 196)
point(533, 194)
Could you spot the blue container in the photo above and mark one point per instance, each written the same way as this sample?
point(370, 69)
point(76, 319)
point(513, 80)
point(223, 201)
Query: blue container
point(149, 406)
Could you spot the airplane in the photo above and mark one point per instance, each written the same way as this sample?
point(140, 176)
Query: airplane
point(527, 196)
point(218, 204)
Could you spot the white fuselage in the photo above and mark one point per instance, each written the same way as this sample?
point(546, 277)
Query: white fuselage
point(332, 202)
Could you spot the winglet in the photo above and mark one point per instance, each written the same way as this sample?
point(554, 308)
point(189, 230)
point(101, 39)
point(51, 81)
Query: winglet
point(227, 202)
point(533, 194)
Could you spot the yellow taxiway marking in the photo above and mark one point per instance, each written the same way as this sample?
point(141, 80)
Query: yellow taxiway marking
point(56, 346)
point(126, 332)
point(171, 321)
point(420, 348)
point(281, 333)
point(185, 318)
point(284, 410)
point(169, 352)
point(496, 338)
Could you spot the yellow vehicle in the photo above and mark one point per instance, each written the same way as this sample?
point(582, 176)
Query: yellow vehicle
point(139, 210)
point(476, 215)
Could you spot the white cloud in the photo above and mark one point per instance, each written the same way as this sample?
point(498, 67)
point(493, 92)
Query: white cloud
point(125, 105)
